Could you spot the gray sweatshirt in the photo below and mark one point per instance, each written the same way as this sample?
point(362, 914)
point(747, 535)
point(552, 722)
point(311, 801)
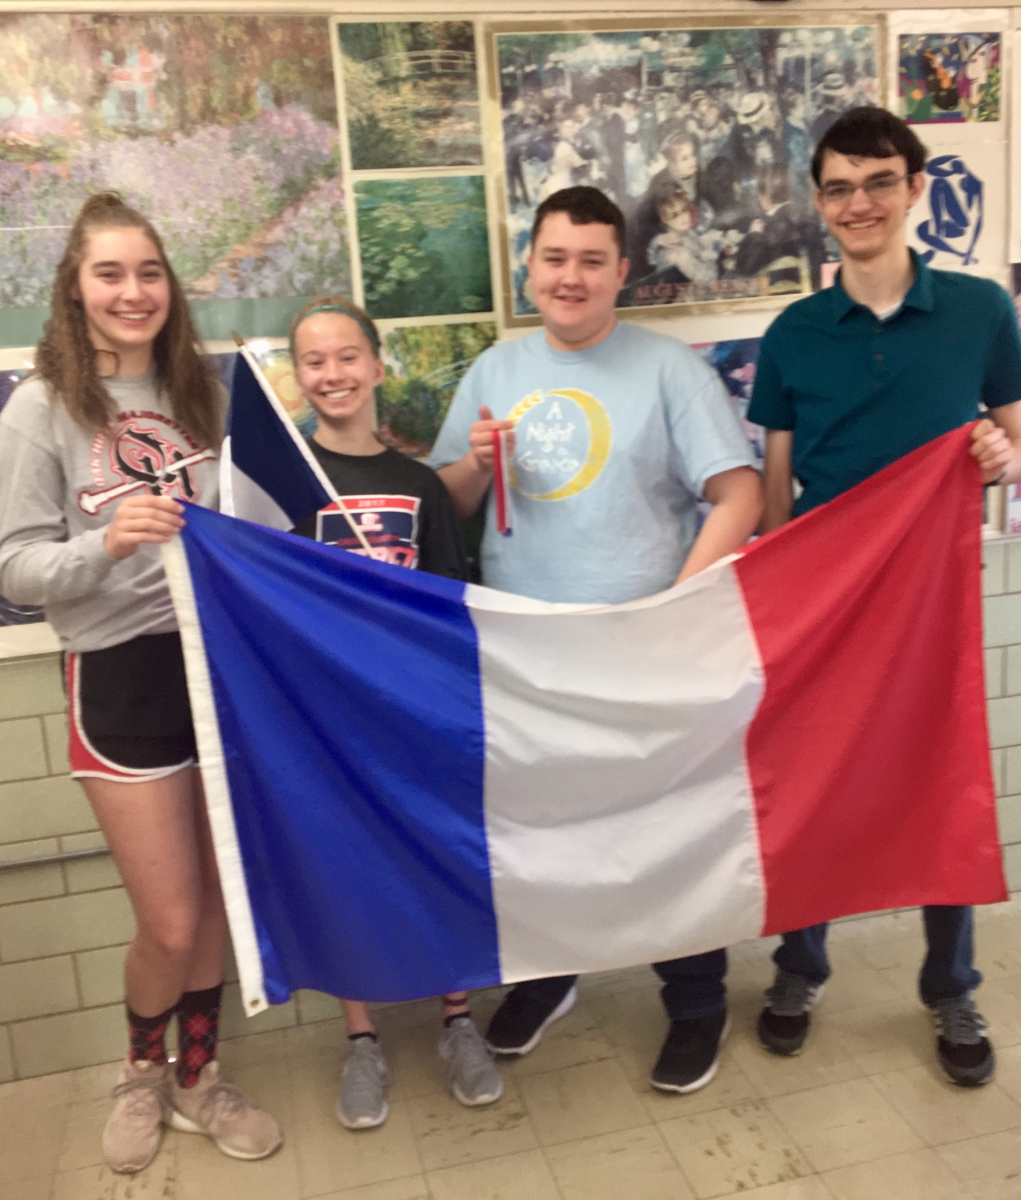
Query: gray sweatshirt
point(59, 489)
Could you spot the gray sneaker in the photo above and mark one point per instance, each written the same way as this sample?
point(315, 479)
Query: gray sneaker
point(471, 1073)
point(362, 1103)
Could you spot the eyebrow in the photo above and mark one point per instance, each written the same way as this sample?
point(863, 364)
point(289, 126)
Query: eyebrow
point(149, 262)
point(867, 179)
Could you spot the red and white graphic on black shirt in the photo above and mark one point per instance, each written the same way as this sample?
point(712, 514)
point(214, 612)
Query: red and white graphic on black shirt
point(146, 451)
point(389, 523)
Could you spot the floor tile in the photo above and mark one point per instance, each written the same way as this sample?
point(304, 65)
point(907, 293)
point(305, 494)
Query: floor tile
point(630, 1165)
point(940, 1112)
point(825, 1059)
point(32, 1136)
point(880, 1038)
point(447, 1133)
point(733, 1150)
point(811, 1188)
point(575, 1039)
point(204, 1172)
point(412, 1188)
point(156, 1182)
point(30, 1189)
point(844, 1123)
point(919, 1175)
point(730, 1088)
point(81, 1145)
point(988, 1167)
point(581, 1102)
point(514, 1177)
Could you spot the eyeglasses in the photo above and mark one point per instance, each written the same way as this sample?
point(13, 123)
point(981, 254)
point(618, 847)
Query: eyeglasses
point(875, 189)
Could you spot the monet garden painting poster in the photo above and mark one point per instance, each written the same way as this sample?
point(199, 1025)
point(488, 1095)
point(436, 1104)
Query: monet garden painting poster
point(221, 129)
point(702, 135)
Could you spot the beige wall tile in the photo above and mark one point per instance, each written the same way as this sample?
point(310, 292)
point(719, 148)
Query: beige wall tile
point(78, 1039)
point(30, 687)
point(44, 927)
point(6, 1058)
point(513, 1177)
point(89, 874)
point(101, 975)
point(22, 754)
point(994, 665)
point(43, 808)
point(1012, 679)
point(234, 1023)
point(1004, 721)
point(1009, 810)
point(1013, 568)
point(994, 572)
point(1012, 867)
point(1002, 620)
point(37, 988)
point(1012, 770)
point(55, 730)
point(29, 883)
point(999, 761)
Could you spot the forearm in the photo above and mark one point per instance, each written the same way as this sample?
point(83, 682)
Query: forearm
point(729, 525)
point(50, 572)
point(1012, 472)
point(467, 481)
point(778, 508)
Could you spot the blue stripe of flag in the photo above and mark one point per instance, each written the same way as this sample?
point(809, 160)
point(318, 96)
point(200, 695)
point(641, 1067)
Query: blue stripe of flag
point(350, 710)
point(265, 451)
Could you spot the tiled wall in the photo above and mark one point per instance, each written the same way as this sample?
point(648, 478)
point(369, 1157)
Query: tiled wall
point(63, 928)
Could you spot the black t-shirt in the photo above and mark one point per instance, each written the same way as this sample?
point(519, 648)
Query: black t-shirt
point(400, 505)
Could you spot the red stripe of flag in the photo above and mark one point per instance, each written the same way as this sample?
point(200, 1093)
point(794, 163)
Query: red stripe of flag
point(869, 754)
point(501, 482)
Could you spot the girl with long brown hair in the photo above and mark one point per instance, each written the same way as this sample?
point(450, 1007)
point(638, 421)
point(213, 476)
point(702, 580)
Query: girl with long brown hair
point(120, 421)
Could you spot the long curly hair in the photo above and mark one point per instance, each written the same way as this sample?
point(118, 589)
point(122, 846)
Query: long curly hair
point(67, 360)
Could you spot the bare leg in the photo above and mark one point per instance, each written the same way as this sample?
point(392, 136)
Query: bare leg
point(159, 837)
point(455, 1004)
point(357, 1017)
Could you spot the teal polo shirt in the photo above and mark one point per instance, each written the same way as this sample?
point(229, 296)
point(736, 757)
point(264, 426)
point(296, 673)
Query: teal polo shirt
point(859, 392)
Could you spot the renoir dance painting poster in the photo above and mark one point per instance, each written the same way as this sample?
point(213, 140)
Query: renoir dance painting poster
point(703, 137)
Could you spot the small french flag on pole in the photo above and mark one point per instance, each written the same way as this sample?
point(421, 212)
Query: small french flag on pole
point(501, 483)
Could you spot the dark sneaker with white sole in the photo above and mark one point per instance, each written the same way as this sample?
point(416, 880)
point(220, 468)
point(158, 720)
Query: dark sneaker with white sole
point(691, 1054)
point(962, 1047)
point(784, 1022)
point(519, 1022)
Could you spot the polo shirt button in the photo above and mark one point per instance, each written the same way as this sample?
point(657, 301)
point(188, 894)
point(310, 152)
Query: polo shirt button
point(879, 358)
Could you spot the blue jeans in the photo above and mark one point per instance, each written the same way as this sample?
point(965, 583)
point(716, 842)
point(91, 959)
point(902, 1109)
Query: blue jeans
point(694, 986)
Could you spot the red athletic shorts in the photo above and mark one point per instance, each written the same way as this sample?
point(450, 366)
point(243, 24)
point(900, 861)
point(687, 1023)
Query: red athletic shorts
point(128, 713)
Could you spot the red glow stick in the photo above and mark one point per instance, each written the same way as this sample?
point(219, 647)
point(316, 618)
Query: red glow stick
point(501, 482)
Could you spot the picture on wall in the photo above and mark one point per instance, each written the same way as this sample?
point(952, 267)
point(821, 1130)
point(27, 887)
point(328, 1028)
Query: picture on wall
point(959, 223)
point(221, 129)
point(411, 94)
point(735, 362)
point(949, 77)
point(424, 246)
point(424, 365)
point(703, 137)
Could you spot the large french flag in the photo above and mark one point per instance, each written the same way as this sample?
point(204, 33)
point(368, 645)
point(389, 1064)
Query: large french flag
point(419, 786)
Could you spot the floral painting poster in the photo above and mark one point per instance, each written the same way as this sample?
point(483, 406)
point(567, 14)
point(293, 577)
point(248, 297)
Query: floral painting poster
point(411, 96)
point(221, 129)
point(703, 137)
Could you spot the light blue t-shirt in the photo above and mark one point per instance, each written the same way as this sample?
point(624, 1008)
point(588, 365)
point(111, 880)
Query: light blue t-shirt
point(614, 446)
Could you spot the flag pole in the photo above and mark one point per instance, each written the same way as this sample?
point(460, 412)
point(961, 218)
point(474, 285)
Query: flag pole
point(299, 441)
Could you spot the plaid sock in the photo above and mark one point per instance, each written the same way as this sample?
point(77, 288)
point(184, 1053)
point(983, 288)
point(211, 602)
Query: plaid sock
point(146, 1036)
point(198, 1025)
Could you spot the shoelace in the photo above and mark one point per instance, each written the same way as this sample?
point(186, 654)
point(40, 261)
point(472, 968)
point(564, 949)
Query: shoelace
point(789, 995)
point(362, 1074)
point(959, 1021)
point(140, 1092)
point(467, 1045)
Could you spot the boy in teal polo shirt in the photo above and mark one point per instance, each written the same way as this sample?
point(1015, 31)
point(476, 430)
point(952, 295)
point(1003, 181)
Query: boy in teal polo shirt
point(850, 379)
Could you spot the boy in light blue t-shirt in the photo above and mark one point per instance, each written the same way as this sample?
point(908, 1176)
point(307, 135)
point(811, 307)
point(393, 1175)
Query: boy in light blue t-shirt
point(617, 433)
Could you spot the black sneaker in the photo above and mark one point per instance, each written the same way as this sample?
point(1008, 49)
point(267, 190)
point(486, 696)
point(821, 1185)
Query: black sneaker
point(691, 1054)
point(962, 1047)
point(518, 1024)
point(783, 1023)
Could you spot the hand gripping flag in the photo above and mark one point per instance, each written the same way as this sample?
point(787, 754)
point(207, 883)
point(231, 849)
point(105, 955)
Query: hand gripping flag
point(418, 786)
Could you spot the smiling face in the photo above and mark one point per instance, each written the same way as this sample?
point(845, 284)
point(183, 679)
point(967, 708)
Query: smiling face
point(576, 272)
point(337, 369)
point(125, 294)
point(867, 226)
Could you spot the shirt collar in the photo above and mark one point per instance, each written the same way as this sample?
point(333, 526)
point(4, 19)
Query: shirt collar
point(919, 295)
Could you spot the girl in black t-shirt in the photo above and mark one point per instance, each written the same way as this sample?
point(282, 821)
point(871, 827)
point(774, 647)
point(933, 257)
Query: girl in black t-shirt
point(407, 517)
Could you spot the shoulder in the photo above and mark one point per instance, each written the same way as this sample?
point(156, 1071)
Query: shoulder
point(637, 345)
point(951, 289)
point(30, 407)
point(808, 312)
point(410, 472)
